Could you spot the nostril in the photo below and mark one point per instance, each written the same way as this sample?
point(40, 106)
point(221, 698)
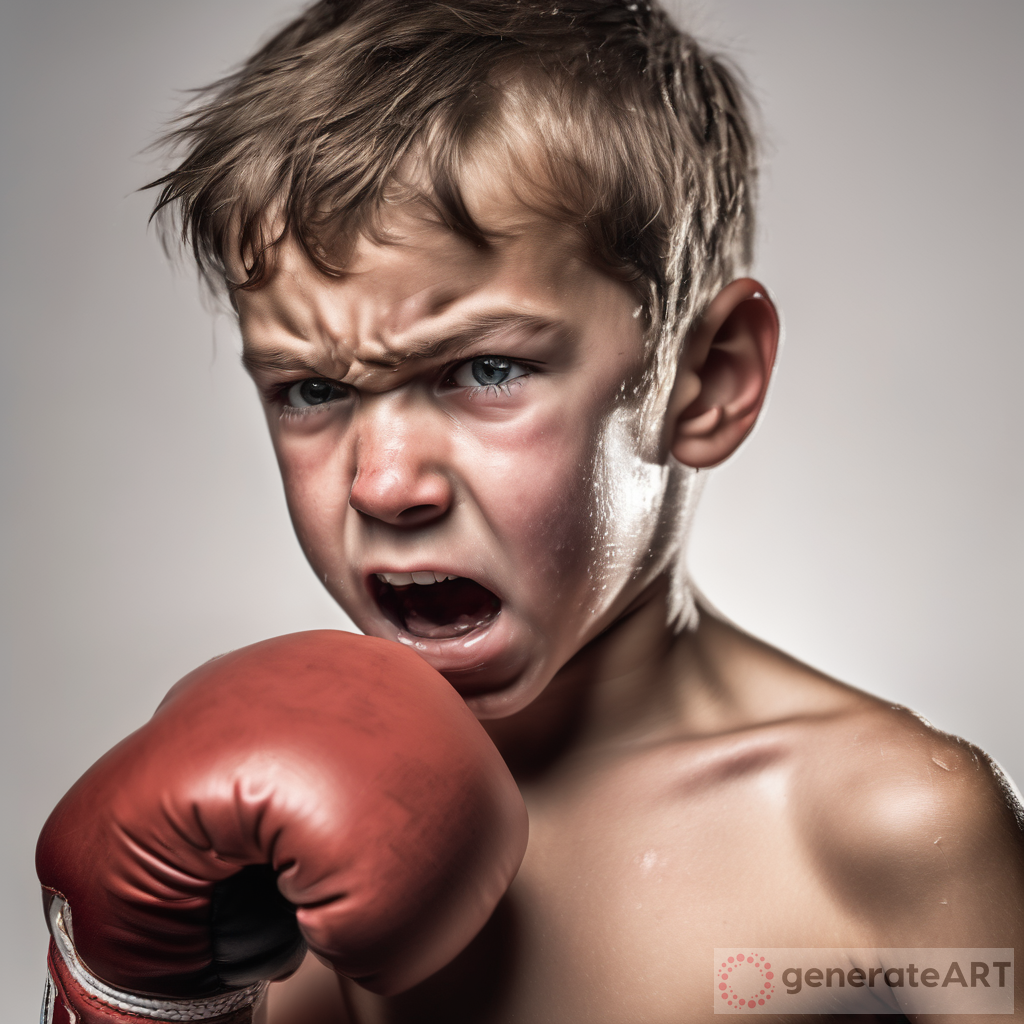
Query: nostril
point(417, 514)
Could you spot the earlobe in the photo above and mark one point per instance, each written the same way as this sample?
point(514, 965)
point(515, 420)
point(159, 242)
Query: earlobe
point(723, 375)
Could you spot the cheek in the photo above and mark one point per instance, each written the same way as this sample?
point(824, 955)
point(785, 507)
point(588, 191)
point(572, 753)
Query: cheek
point(587, 510)
point(533, 482)
point(317, 476)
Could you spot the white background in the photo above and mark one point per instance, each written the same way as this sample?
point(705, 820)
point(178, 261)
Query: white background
point(872, 526)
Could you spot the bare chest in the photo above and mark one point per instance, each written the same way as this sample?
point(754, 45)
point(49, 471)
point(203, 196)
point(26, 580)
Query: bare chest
point(629, 884)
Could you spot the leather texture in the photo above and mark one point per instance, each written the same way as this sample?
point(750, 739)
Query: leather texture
point(338, 771)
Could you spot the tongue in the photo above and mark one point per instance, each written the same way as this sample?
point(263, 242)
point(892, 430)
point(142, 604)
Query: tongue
point(443, 610)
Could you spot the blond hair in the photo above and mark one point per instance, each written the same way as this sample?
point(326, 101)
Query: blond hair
point(645, 138)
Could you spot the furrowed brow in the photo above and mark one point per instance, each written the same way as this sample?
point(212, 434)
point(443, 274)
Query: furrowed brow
point(482, 327)
point(474, 329)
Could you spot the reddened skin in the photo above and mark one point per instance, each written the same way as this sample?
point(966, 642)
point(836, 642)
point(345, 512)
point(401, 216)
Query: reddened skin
point(723, 375)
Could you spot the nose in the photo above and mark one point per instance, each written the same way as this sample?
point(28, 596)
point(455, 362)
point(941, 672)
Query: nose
point(400, 478)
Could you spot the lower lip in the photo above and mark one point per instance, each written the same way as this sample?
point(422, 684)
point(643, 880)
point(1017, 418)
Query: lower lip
point(480, 661)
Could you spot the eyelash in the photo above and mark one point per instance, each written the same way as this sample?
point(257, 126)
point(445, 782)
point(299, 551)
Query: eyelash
point(506, 388)
point(294, 411)
point(279, 397)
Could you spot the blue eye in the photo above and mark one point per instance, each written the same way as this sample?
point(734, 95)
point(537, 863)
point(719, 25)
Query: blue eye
point(488, 371)
point(311, 392)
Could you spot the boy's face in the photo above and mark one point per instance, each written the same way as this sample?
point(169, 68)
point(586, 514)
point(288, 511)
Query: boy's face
point(442, 409)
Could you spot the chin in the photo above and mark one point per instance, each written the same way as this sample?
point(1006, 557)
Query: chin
point(494, 669)
point(508, 699)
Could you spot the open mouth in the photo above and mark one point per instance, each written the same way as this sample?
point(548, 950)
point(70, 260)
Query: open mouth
point(434, 605)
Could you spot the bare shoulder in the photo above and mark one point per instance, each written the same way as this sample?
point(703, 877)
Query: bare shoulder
point(889, 770)
point(917, 829)
point(857, 756)
point(917, 832)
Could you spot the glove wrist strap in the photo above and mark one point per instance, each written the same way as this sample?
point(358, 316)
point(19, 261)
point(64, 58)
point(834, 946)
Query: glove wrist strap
point(74, 995)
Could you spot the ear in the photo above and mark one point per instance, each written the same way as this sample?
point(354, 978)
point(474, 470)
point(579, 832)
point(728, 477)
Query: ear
point(723, 375)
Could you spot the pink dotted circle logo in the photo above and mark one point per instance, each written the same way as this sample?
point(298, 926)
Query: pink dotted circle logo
point(745, 981)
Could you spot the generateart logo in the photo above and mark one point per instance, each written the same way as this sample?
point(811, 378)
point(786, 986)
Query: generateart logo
point(867, 981)
point(746, 980)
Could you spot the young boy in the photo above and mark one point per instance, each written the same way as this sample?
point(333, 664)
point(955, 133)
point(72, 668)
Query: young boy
point(484, 257)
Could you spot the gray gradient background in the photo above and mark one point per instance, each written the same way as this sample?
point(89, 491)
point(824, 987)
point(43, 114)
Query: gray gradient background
point(872, 526)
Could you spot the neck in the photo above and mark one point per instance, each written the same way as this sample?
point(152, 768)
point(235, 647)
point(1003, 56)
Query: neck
point(622, 686)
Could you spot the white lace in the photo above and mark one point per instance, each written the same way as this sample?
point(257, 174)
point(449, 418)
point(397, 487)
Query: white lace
point(204, 1008)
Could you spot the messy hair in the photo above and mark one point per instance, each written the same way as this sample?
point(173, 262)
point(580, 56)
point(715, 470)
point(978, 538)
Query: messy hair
point(644, 138)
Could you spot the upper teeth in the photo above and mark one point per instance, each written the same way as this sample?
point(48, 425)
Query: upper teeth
point(403, 579)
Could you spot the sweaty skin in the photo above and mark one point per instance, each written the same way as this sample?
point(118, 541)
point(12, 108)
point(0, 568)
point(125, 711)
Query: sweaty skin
point(516, 486)
point(688, 786)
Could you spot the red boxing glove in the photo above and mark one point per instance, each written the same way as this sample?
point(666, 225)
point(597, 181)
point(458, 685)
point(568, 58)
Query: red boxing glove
point(320, 788)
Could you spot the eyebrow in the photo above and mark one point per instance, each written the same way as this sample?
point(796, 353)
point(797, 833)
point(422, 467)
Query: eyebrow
point(477, 327)
point(480, 327)
point(276, 359)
